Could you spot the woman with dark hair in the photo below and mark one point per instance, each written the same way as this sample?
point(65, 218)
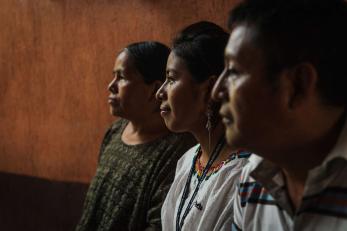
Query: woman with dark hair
point(201, 195)
point(138, 154)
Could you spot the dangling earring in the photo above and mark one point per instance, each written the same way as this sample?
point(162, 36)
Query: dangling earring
point(209, 113)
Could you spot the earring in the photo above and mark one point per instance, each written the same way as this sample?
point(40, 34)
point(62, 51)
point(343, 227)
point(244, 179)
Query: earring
point(209, 113)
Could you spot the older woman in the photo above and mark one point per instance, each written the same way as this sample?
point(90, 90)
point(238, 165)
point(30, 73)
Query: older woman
point(201, 195)
point(138, 154)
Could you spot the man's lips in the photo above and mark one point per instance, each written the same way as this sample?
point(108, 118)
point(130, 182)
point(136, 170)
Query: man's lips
point(227, 118)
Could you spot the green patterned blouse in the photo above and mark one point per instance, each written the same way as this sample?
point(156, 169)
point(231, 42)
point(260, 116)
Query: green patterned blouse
point(131, 181)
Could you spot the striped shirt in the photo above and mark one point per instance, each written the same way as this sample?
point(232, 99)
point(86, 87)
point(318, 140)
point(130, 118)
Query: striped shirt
point(262, 202)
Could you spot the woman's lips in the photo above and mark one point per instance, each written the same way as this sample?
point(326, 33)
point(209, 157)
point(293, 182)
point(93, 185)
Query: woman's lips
point(112, 100)
point(164, 111)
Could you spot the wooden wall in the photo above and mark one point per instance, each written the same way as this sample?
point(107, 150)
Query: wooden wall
point(56, 59)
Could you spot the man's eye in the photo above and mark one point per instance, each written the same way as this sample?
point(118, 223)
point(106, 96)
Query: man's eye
point(170, 80)
point(232, 72)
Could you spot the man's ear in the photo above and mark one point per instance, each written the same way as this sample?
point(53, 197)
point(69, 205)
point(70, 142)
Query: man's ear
point(301, 84)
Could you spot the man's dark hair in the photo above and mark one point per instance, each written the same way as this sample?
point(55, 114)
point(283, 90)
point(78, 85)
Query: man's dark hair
point(201, 45)
point(149, 59)
point(290, 32)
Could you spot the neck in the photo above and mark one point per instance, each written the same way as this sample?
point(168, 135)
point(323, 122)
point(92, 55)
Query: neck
point(209, 142)
point(144, 130)
point(311, 155)
point(296, 171)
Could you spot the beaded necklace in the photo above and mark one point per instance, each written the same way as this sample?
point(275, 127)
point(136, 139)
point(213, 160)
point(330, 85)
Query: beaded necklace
point(214, 155)
point(214, 169)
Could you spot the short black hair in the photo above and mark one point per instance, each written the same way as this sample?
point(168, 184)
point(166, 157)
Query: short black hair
point(201, 45)
point(150, 59)
point(290, 32)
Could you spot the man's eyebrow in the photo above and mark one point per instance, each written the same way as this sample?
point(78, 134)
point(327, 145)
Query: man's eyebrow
point(171, 70)
point(228, 55)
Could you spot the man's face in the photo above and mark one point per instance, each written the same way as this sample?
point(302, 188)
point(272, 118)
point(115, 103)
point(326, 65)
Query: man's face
point(253, 111)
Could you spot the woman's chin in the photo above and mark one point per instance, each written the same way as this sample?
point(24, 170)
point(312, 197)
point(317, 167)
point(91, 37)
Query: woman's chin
point(173, 126)
point(115, 112)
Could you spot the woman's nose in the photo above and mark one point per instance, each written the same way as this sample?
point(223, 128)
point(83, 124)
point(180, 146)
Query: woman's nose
point(112, 86)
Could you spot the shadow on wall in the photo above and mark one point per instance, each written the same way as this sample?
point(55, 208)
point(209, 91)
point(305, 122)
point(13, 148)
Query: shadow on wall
point(29, 203)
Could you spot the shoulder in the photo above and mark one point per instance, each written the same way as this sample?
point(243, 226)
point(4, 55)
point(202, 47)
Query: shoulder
point(173, 146)
point(252, 162)
point(230, 172)
point(116, 127)
point(187, 157)
point(245, 189)
point(237, 161)
point(185, 162)
point(247, 182)
point(118, 124)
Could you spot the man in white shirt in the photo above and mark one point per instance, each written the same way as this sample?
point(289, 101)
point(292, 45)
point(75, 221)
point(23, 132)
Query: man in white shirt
point(284, 98)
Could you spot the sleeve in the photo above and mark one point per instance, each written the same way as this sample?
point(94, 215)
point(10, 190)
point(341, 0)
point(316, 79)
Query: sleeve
point(237, 218)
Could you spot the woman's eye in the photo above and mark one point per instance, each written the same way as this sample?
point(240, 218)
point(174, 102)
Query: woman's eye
point(120, 77)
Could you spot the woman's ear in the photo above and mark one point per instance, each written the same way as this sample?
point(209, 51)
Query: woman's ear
point(301, 84)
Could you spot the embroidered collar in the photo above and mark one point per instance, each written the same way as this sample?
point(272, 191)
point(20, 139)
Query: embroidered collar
point(215, 168)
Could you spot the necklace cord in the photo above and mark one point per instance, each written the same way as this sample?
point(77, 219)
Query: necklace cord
point(214, 155)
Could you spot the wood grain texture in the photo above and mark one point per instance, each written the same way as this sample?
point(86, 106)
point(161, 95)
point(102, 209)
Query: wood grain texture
point(56, 59)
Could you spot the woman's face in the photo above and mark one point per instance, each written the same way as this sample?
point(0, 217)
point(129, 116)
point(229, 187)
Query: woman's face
point(129, 93)
point(183, 101)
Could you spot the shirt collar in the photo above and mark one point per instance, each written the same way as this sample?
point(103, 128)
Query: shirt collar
point(340, 148)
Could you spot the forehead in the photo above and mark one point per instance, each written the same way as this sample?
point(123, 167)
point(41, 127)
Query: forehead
point(175, 63)
point(242, 44)
point(123, 60)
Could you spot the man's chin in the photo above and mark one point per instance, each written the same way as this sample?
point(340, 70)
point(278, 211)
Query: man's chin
point(232, 139)
point(231, 143)
point(229, 136)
